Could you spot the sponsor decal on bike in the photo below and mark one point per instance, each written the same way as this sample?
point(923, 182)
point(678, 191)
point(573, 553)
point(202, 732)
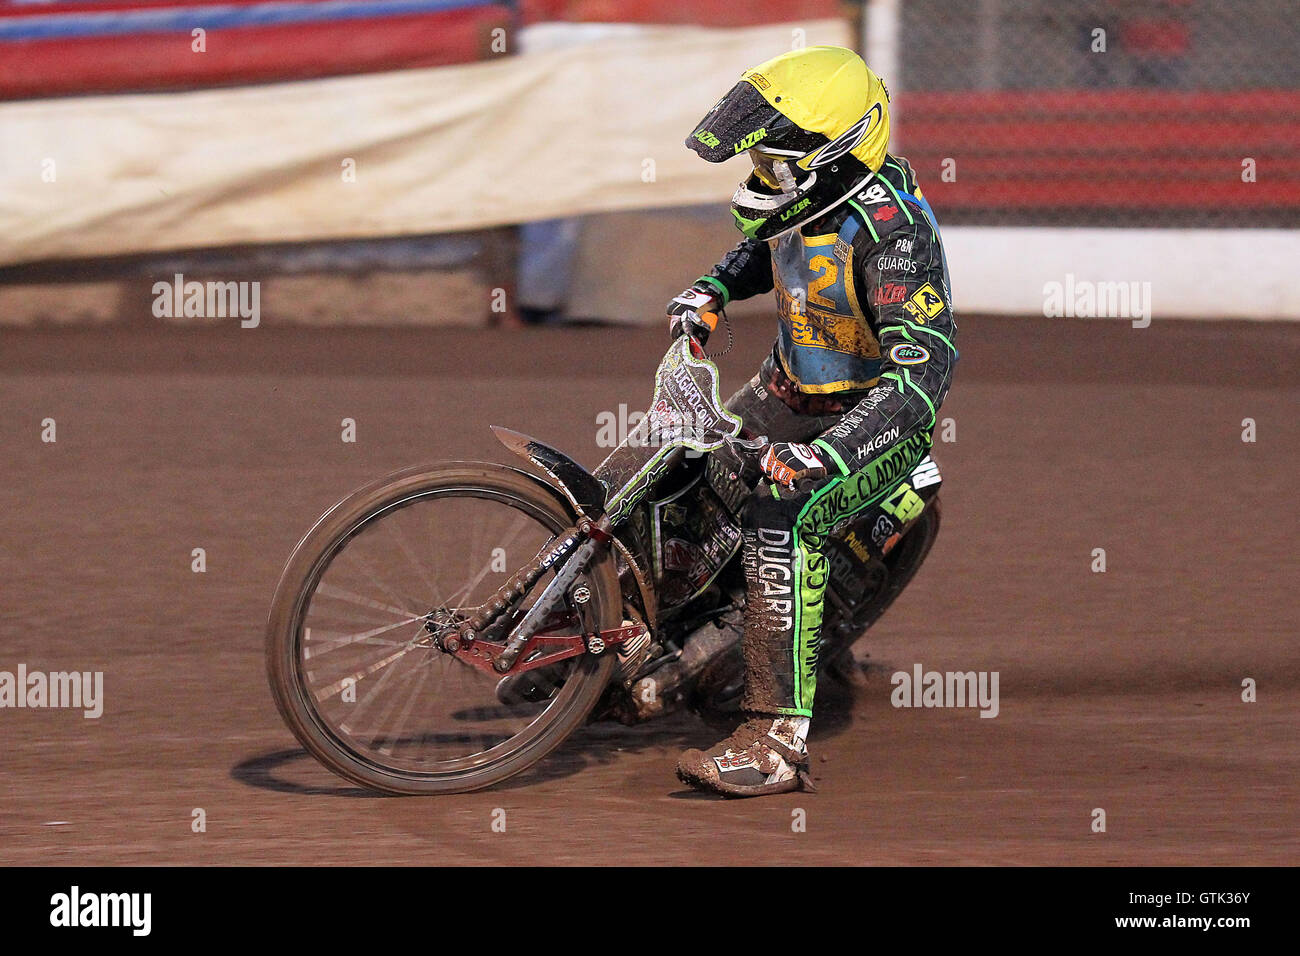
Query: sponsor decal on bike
point(680, 555)
point(687, 411)
point(715, 551)
point(561, 550)
point(696, 536)
point(845, 567)
point(905, 353)
point(661, 425)
point(675, 514)
point(691, 398)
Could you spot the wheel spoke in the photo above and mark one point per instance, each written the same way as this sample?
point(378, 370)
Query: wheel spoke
point(342, 683)
point(468, 589)
point(330, 591)
point(329, 641)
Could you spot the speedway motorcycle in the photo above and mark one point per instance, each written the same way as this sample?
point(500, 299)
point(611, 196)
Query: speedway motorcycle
point(448, 626)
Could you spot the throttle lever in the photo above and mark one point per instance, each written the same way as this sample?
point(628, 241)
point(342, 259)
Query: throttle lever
point(750, 446)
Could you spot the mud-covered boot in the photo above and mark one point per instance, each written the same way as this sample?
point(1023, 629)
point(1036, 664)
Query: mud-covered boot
point(765, 755)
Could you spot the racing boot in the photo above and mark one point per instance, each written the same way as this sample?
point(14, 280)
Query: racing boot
point(765, 755)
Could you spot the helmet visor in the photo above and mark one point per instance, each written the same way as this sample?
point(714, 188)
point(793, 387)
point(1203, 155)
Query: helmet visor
point(736, 122)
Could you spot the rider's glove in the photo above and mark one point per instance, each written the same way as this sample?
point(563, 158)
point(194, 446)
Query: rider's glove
point(785, 463)
point(685, 310)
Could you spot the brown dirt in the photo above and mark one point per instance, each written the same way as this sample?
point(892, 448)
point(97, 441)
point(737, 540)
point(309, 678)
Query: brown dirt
point(1118, 690)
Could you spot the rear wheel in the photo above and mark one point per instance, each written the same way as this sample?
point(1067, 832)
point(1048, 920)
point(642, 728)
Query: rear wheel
point(352, 664)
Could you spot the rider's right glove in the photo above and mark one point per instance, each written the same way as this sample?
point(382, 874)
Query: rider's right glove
point(788, 462)
point(685, 311)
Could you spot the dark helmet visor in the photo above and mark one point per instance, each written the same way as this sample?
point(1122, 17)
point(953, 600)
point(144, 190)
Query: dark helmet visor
point(737, 122)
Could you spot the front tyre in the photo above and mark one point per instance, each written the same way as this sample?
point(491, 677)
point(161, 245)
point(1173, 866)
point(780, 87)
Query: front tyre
point(349, 659)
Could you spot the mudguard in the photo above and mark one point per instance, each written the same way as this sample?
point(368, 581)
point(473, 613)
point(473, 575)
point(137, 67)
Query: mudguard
point(584, 491)
point(587, 496)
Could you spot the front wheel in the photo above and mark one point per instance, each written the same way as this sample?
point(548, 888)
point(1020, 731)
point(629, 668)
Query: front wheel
point(351, 664)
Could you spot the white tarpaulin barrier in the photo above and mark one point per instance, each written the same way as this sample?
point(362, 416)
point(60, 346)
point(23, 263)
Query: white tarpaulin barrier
point(551, 133)
point(1134, 274)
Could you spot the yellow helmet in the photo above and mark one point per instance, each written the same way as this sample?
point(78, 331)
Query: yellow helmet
point(815, 123)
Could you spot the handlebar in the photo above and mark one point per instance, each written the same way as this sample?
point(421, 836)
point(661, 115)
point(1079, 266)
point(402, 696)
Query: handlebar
point(748, 445)
point(709, 320)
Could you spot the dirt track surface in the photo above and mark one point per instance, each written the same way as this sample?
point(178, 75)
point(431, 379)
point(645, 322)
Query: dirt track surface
point(1119, 690)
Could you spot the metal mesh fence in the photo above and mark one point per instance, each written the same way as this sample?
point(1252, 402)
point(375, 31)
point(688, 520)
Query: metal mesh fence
point(1110, 112)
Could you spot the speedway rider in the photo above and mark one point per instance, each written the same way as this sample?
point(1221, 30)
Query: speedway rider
point(839, 229)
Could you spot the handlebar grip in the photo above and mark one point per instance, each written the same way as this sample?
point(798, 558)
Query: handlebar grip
point(807, 480)
point(709, 320)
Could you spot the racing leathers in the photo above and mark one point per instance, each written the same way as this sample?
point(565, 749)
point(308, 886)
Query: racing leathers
point(863, 359)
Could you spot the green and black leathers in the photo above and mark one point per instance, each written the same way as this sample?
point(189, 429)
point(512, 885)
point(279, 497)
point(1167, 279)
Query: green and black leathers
point(863, 360)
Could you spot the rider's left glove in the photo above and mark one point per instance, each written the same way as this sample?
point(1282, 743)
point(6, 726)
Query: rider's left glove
point(787, 462)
